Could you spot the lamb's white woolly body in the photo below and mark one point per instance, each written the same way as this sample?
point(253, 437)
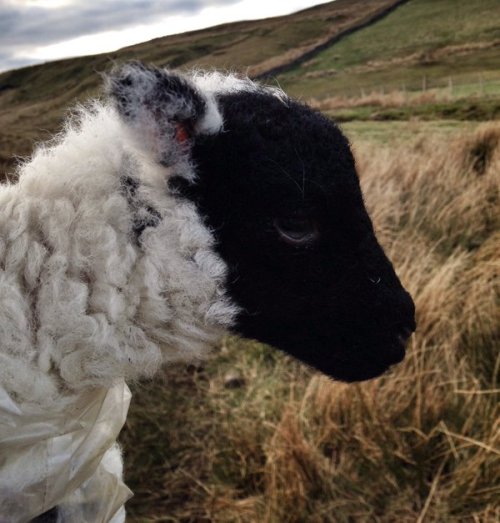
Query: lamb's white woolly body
point(83, 302)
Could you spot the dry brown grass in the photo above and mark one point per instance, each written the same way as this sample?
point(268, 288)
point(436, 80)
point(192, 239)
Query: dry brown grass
point(395, 98)
point(421, 444)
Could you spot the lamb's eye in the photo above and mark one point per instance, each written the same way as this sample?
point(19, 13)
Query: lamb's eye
point(297, 230)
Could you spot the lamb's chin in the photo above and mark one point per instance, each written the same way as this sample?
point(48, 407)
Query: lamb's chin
point(351, 372)
point(348, 365)
point(335, 356)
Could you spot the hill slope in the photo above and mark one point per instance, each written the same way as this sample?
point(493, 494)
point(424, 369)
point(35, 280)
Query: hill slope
point(33, 99)
point(450, 47)
point(422, 38)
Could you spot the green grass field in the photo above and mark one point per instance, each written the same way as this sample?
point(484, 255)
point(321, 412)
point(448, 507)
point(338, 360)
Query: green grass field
point(421, 39)
point(391, 132)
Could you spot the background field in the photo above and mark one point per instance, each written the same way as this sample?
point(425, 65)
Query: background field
point(253, 436)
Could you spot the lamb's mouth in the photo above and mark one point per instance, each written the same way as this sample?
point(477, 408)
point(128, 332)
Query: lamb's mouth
point(349, 360)
point(362, 363)
point(358, 369)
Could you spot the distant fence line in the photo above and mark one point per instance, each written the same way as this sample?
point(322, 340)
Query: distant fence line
point(448, 85)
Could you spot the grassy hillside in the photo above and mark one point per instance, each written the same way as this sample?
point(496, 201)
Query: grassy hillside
point(422, 38)
point(33, 99)
point(253, 436)
point(427, 60)
point(449, 49)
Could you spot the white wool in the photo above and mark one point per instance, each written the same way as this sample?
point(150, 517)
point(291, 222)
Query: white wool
point(83, 303)
point(211, 122)
point(217, 83)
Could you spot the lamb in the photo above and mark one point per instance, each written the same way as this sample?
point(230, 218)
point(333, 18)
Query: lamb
point(181, 207)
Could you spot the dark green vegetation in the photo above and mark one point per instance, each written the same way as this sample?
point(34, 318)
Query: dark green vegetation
point(253, 436)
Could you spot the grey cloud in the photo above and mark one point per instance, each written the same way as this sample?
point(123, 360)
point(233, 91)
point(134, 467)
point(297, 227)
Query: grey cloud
point(9, 62)
point(23, 27)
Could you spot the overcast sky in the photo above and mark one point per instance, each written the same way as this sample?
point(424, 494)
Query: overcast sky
point(34, 31)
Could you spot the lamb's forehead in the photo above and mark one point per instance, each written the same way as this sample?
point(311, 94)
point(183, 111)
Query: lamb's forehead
point(270, 150)
point(240, 100)
point(274, 138)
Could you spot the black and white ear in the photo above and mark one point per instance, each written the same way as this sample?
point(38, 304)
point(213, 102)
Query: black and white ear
point(162, 109)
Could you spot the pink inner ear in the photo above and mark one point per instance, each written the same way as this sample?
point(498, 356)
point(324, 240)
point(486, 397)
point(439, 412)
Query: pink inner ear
point(181, 133)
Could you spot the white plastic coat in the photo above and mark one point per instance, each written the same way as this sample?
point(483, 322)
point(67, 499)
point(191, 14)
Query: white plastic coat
point(61, 455)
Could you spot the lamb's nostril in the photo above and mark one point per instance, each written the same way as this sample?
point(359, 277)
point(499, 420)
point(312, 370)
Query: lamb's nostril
point(404, 335)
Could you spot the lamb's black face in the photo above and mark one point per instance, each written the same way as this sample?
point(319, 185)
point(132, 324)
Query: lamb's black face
point(280, 191)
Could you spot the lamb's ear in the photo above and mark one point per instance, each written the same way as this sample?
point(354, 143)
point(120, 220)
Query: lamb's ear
point(162, 109)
